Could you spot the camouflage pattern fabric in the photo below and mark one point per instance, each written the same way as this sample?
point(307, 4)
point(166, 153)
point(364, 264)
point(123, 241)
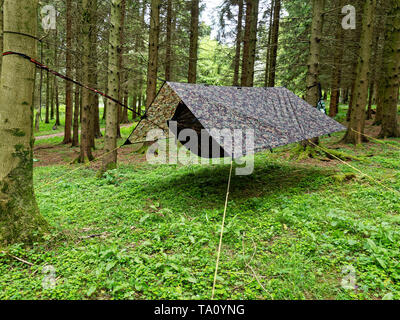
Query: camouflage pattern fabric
point(277, 116)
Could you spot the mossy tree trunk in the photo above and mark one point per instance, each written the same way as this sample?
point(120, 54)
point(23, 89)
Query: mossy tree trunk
point(356, 126)
point(20, 220)
point(391, 71)
point(110, 140)
point(153, 52)
point(194, 41)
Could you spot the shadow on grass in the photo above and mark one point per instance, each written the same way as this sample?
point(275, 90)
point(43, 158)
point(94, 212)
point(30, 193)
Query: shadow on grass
point(206, 186)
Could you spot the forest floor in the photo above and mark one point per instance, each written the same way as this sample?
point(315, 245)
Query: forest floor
point(308, 229)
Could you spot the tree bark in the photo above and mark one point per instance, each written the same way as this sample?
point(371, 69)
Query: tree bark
point(168, 50)
point(239, 41)
point(105, 101)
point(78, 77)
point(77, 102)
point(52, 100)
point(86, 117)
point(1, 32)
point(268, 59)
point(57, 102)
point(337, 66)
point(47, 117)
point(110, 139)
point(194, 41)
point(250, 42)
point(153, 52)
point(314, 58)
point(68, 84)
point(20, 220)
point(360, 95)
point(274, 44)
point(96, 132)
point(313, 65)
point(391, 65)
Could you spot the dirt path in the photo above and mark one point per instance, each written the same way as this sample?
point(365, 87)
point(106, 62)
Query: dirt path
point(61, 134)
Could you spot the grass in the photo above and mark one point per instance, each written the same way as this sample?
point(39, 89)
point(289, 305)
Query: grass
point(151, 232)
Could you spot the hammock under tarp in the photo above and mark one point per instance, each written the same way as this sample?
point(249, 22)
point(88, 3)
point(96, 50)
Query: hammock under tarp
point(277, 116)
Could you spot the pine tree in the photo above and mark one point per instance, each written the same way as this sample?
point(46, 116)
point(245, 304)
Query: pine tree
point(250, 42)
point(274, 43)
point(153, 52)
point(110, 140)
point(390, 91)
point(86, 117)
point(355, 129)
point(337, 68)
point(68, 84)
point(194, 41)
point(239, 41)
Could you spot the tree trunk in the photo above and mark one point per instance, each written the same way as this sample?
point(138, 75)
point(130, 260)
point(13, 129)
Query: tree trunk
point(77, 102)
point(1, 32)
point(250, 42)
point(52, 100)
point(105, 101)
point(20, 220)
point(120, 66)
point(110, 140)
point(57, 102)
point(314, 58)
point(239, 41)
point(390, 125)
point(357, 116)
point(153, 52)
point(134, 106)
point(337, 66)
point(194, 41)
point(370, 99)
point(379, 102)
point(78, 77)
point(379, 90)
point(274, 44)
point(268, 59)
point(68, 84)
point(55, 82)
point(94, 130)
point(141, 80)
point(312, 93)
point(86, 117)
point(345, 94)
point(47, 119)
point(168, 50)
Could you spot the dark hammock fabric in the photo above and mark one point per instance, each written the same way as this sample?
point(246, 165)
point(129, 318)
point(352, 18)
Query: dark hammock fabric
point(277, 116)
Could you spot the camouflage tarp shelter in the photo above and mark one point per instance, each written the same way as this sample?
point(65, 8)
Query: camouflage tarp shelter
point(277, 116)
